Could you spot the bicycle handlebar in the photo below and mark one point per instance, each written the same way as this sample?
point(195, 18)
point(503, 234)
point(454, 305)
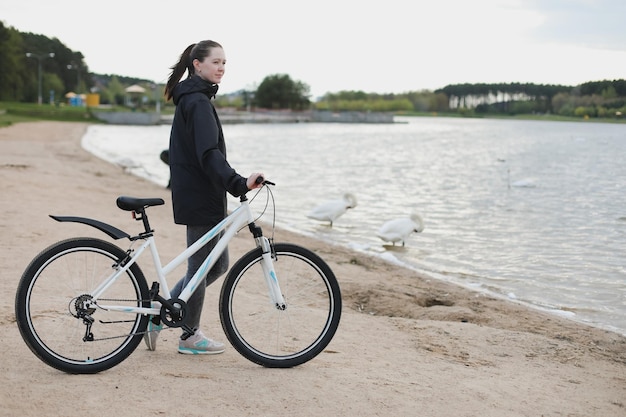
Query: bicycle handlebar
point(260, 180)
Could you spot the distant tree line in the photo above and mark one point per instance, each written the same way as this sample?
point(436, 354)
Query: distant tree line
point(592, 99)
point(422, 101)
point(22, 53)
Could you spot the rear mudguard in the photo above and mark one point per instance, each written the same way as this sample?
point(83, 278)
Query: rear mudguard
point(112, 231)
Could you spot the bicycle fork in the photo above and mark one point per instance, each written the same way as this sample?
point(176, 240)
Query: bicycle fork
point(267, 263)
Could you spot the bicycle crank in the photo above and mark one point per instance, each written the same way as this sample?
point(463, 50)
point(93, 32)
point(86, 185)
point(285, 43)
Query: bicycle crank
point(174, 312)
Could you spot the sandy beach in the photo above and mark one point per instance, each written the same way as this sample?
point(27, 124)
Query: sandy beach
point(407, 345)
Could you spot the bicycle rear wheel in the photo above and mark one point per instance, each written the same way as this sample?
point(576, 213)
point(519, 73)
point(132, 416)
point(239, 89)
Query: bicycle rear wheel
point(50, 300)
point(278, 338)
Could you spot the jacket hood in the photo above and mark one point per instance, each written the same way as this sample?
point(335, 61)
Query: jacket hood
point(194, 84)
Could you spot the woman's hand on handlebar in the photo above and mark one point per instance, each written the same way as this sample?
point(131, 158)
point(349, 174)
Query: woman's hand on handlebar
point(255, 180)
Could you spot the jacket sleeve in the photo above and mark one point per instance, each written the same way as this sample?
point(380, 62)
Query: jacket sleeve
point(211, 159)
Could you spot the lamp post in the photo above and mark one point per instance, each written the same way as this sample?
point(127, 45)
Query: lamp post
point(39, 58)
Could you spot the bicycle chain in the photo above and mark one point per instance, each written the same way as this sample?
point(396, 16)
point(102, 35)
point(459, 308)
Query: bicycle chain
point(120, 299)
point(124, 335)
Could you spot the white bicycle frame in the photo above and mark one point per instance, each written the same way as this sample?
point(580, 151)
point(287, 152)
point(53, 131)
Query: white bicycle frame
point(239, 218)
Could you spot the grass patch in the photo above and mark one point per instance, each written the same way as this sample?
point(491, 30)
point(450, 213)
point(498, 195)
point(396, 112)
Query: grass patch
point(11, 113)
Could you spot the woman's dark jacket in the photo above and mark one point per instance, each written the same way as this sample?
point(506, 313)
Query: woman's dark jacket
point(200, 174)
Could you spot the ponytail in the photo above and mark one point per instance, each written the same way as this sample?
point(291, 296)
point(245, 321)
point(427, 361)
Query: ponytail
point(183, 64)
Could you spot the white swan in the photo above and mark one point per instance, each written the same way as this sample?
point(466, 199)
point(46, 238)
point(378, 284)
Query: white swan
point(330, 210)
point(398, 230)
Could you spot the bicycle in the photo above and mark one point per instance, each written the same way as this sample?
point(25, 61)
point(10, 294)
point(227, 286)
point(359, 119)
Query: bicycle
point(83, 304)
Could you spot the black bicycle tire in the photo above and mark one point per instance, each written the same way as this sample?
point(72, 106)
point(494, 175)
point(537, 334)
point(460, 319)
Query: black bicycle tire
point(330, 326)
point(28, 329)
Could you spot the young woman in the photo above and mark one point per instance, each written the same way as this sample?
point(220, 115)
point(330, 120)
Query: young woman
point(200, 176)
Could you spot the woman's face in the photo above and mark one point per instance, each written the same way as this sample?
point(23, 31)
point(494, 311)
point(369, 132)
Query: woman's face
point(213, 67)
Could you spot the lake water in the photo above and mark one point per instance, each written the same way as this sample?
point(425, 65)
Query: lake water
point(529, 210)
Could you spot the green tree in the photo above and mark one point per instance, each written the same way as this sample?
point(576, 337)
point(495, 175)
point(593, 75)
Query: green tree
point(279, 91)
point(11, 65)
point(115, 92)
point(52, 88)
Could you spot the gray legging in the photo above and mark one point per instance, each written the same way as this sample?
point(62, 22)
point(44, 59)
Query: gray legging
point(196, 301)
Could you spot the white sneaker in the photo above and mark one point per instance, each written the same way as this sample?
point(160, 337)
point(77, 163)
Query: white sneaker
point(199, 344)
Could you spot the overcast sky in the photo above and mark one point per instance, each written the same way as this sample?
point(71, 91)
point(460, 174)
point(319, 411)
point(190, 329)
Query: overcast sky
point(389, 46)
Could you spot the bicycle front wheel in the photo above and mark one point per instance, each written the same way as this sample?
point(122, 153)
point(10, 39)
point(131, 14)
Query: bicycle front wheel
point(277, 338)
point(53, 306)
